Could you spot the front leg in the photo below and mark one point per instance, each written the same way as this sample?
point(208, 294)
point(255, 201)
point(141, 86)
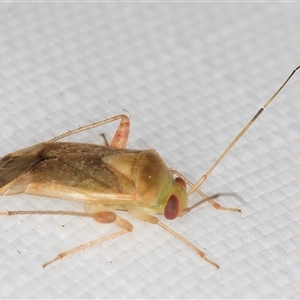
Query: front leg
point(140, 215)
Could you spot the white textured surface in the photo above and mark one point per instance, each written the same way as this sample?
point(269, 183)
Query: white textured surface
point(190, 75)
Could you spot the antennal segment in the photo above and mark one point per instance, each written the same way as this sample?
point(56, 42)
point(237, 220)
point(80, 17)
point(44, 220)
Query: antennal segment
point(204, 177)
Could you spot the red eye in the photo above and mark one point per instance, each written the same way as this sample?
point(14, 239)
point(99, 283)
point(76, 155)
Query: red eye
point(180, 181)
point(172, 208)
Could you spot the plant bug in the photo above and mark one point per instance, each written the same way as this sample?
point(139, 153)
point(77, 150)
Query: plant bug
point(106, 179)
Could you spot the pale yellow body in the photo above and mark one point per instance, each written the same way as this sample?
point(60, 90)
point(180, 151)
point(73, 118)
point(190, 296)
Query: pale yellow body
point(102, 177)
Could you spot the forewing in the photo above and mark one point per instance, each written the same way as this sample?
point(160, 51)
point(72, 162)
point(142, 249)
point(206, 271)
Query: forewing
point(71, 170)
point(85, 167)
point(18, 163)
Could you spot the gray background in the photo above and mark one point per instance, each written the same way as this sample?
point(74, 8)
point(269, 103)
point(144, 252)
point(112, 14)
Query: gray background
point(190, 75)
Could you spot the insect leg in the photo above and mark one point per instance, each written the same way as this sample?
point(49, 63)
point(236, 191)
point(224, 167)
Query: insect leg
point(87, 127)
point(103, 217)
point(105, 139)
point(121, 136)
point(47, 212)
point(153, 220)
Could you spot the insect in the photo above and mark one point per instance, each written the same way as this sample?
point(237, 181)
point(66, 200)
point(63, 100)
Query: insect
point(107, 179)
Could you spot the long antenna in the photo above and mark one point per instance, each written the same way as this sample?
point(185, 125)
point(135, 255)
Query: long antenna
point(204, 177)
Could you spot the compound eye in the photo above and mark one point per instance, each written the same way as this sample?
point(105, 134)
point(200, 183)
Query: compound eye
point(172, 208)
point(181, 182)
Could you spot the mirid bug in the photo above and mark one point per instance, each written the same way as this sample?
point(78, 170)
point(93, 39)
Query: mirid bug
point(107, 179)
